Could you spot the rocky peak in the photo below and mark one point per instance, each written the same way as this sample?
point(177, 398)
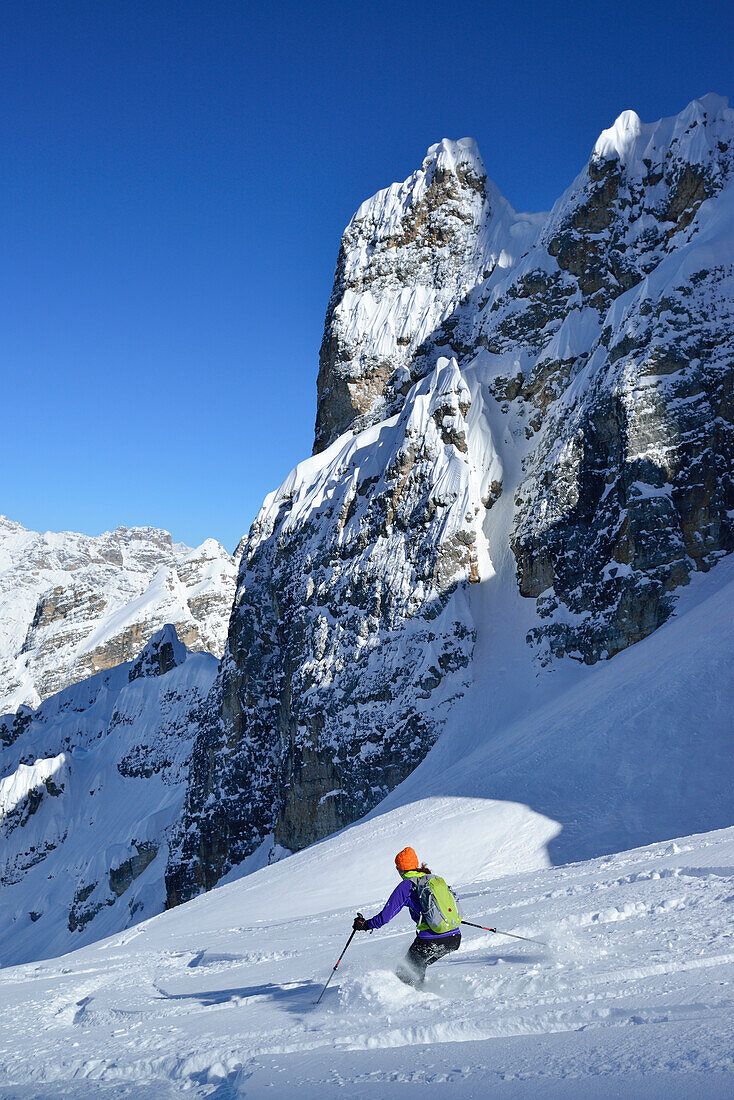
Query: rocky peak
point(409, 258)
point(692, 137)
point(162, 653)
point(638, 195)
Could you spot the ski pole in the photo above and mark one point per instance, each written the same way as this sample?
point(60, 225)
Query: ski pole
point(499, 932)
point(336, 965)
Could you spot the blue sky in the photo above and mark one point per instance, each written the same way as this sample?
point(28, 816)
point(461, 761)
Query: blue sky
point(176, 178)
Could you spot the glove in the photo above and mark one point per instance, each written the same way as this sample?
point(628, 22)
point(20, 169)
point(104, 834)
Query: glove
point(360, 924)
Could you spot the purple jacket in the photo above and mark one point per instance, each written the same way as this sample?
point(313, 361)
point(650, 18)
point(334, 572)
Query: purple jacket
point(405, 894)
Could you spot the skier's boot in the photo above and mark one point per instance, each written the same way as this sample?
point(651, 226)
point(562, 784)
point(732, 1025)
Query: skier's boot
point(410, 975)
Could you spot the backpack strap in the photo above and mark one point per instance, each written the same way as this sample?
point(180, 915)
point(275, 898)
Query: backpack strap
point(421, 880)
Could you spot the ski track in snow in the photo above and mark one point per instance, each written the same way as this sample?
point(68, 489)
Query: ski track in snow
point(634, 995)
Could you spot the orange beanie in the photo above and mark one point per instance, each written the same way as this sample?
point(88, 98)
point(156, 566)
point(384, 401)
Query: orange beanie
point(406, 860)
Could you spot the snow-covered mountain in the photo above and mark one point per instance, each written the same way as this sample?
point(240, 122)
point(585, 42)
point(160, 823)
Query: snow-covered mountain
point(490, 585)
point(92, 782)
point(72, 605)
point(523, 454)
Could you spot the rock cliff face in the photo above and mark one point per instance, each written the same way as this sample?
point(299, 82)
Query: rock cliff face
point(575, 366)
point(316, 716)
point(92, 782)
point(408, 262)
point(72, 605)
point(629, 487)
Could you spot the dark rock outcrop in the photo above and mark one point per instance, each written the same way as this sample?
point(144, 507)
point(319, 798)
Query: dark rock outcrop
point(315, 714)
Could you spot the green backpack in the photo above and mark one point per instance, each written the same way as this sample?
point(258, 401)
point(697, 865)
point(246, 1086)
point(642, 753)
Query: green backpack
point(438, 904)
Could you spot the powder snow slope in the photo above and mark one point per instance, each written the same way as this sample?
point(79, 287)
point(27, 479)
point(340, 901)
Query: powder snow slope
point(632, 997)
point(72, 605)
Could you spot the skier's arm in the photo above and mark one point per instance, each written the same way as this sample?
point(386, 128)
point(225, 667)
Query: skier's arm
point(392, 907)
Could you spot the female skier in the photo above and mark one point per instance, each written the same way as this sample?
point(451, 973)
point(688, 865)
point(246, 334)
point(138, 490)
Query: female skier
point(428, 946)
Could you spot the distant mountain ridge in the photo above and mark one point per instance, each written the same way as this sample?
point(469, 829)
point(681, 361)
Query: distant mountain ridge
point(72, 605)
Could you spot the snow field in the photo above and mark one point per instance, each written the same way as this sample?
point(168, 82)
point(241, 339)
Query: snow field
point(632, 996)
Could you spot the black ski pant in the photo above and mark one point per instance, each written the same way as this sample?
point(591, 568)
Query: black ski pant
point(422, 953)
